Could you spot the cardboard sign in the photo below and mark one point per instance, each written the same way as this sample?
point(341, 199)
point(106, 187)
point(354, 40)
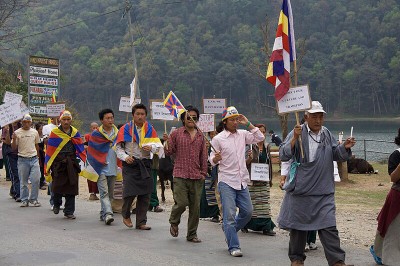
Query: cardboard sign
point(24, 108)
point(206, 122)
point(54, 109)
point(214, 106)
point(124, 104)
point(10, 96)
point(10, 112)
point(159, 111)
point(296, 99)
point(259, 172)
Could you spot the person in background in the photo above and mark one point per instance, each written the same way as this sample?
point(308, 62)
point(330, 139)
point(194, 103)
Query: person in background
point(233, 176)
point(92, 186)
point(386, 248)
point(259, 190)
point(275, 138)
point(39, 129)
point(54, 122)
point(12, 159)
point(26, 140)
point(64, 147)
point(188, 146)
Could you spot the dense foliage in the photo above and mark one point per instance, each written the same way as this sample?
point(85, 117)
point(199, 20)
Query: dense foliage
point(351, 56)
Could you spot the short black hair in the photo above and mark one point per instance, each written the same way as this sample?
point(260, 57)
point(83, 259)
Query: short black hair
point(139, 106)
point(271, 132)
point(220, 127)
point(105, 111)
point(38, 125)
point(189, 108)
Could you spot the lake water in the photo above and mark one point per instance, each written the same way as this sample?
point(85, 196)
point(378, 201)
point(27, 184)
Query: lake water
point(375, 137)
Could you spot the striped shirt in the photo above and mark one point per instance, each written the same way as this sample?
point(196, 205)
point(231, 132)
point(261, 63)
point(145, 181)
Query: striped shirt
point(190, 154)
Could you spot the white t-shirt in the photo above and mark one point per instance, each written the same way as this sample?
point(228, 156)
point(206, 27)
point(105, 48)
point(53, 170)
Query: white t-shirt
point(26, 141)
point(47, 130)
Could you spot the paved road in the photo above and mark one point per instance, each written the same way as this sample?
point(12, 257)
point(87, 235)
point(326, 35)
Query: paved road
point(36, 236)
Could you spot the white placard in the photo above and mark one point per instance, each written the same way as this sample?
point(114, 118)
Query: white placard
point(214, 106)
point(43, 71)
point(124, 104)
point(159, 111)
point(10, 112)
point(54, 109)
point(10, 96)
point(259, 172)
point(24, 108)
point(206, 122)
point(296, 99)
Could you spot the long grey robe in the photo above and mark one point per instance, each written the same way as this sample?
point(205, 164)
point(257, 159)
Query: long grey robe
point(310, 205)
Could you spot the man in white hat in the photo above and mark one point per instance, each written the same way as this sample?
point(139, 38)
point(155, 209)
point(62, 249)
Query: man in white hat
point(233, 176)
point(26, 139)
point(311, 184)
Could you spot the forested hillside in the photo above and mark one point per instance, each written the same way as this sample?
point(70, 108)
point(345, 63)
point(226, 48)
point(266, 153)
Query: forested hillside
point(348, 51)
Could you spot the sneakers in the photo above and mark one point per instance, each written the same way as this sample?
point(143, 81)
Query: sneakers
point(35, 203)
point(109, 219)
point(269, 232)
point(93, 197)
point(56, 209)
point(236, 253)
point(158, 208)
point(69, 216)
point(17, 200)
point(312, 246)
point(24, 204)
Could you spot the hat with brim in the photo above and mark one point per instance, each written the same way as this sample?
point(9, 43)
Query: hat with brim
point(229, 112)
point(65, 114)
point(27, 117)
point(316, 107)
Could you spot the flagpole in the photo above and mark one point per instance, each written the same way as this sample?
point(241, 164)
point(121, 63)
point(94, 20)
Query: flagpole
point(297, 113)
point(165, 122)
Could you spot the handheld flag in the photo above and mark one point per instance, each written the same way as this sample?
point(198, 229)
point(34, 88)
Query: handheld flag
point(173, 104)
point(283, 52)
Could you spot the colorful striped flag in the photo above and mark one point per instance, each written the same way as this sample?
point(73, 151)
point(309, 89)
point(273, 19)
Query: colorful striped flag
point(53, 97)
point(173, 104)
point(148, 135)
point(283, 52)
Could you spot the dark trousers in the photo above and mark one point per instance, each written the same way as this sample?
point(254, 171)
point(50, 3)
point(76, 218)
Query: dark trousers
point(5, 161)
point(69, 206)
point(142, 205)
point(311, 237)
point(15, 182)
point(329, 238)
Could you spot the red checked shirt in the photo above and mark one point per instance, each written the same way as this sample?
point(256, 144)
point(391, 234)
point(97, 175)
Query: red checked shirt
point(190, 154)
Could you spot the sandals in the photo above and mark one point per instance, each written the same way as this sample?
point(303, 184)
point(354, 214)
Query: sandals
point(173, 230)
point(194, 240)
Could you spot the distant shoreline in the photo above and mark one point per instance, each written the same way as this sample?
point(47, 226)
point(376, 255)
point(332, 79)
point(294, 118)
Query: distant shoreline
point(344, 119)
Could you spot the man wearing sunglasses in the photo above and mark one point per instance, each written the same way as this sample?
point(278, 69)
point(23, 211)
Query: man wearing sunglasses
point(190, 168)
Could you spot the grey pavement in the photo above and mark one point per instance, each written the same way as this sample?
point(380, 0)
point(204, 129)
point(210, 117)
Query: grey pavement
point(36, 236)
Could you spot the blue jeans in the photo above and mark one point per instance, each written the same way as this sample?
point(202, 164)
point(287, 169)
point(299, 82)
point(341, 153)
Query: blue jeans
point(232, 222)
point(29, 167)
point(105, 184)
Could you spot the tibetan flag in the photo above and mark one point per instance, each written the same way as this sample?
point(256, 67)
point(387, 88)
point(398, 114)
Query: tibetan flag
point(147, 136)
point(57, 141)
point(98, 146)
point(53, 97)
point(283, 52)
point(173, 104)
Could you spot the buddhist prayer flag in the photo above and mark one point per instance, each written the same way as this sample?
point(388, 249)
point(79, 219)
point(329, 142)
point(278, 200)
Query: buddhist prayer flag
point(283, 52)
point(173, 104)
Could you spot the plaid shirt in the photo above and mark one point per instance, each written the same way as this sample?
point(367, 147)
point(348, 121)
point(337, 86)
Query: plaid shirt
point(190, 155)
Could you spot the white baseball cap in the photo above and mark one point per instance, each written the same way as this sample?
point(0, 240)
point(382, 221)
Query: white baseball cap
point(316, 107)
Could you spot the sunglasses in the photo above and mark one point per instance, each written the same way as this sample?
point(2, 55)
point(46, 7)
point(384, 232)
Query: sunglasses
point(195, 118)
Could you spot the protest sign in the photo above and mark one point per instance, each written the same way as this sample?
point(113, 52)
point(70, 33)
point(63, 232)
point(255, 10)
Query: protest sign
point(10, 112)
point(54, 109)
point(206, 122)
point(295, 100)
point(259, 172)
point(214, 106)
point(9, 96)
point(124, 104)
point(24, 108)
point(159, 111)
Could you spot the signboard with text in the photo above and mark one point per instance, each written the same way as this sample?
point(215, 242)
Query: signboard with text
point(259, 172)
point(296, 99)
point(206, 122)
point(159, 111)
point(124, 104)
point(44, 81)
point(10, 96)
point(54, 109)
point(214, 106)
point(10, 112)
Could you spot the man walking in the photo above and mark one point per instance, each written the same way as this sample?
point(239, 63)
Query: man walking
point(63, 147)
point(190, 168)
point(312, 185)
point(103, 159)
point(26, 139)
point(233, 176)
point(135, 142)
point(92, 186)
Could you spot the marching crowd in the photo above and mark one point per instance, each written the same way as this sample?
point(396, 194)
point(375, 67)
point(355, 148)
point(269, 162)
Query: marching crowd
point(211, 174)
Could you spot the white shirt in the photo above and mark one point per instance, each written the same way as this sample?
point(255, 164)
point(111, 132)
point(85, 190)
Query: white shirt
point(313, 141)
point(47, 130)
